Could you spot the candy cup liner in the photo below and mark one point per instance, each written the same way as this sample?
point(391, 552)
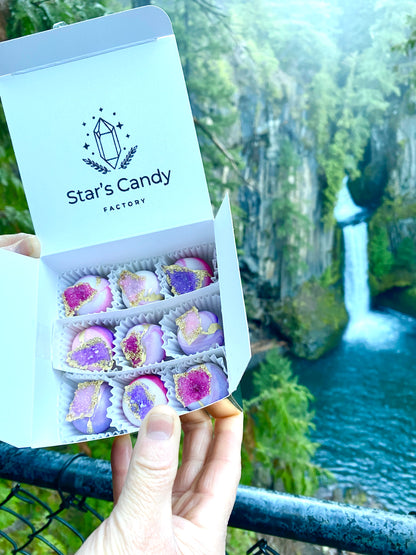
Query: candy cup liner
point(132, 266)
point(67, 431)
point(205, 252)
point(125, 324)
point(202, 300)
point(63, 336)
point(216, 357)
point(116, 410)
point(71, 277)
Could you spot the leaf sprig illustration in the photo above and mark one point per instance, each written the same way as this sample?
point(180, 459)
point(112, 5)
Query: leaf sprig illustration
point(128, 158)
point(96, 166)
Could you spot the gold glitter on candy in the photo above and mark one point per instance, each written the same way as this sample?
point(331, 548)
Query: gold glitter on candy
point(68, 310)
point(184, 375)
point(104, 365)
point(140, 296)
point(191, 337)
point(95, 398)
point(132, 354)
point(200, 275)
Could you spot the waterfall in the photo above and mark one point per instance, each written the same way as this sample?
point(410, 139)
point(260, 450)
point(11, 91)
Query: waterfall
point(375, 329)
point(356, 289)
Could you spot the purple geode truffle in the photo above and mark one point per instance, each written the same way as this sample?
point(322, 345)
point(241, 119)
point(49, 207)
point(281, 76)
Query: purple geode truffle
point(198, 331)
point(140, 288)
point(200, 385)
point(92, 349)
point(143, 345)
point(88, 410)
point(141, 395)
point(188, 274)
point(88, 295)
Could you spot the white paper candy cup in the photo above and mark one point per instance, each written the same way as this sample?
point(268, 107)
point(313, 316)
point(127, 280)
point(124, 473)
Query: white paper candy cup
point(203, 302)
point(125, 324)
point(134, 266)
point(63, 337)
point(205, 251)
point(117, 413)
point(67, 431)
point(68, 279)
point(182, 365)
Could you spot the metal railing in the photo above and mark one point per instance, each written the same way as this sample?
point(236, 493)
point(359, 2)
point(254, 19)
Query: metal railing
point(357, 529)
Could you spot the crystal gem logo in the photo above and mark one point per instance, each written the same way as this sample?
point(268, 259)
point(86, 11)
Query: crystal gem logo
point(107, 143)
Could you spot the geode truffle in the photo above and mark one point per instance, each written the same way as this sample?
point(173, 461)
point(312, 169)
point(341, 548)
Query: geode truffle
point(188, 274)
point(139, 288)
point(143, 345)
point(200, 385)
point(198, 331)
point(88, 295)
point(141, 395)
point(88, 410)
point(92, 349)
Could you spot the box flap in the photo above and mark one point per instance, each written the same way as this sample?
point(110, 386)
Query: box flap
point(86, 38)
point(105, 144)
point(18, 284)
point(232, 302)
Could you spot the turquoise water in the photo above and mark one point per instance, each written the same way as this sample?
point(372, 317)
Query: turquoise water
point(365, 404)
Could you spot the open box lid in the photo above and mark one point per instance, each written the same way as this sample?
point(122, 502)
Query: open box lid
point(102, 130)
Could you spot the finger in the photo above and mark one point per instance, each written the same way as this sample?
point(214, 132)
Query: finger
point(21, 243)
point(215, 489)
point(146, 498)
point(197, 428)
point(120, 460)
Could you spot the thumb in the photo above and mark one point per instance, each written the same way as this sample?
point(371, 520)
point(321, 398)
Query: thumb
point(146, 497)
point(22, 243)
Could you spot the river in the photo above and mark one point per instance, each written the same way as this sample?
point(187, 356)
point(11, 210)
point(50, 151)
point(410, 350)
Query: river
point(365, 390)
point(365, 405)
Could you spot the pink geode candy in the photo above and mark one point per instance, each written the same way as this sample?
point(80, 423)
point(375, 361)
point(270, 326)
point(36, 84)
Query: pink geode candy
point(88, 410)
point(92, 349)
point(188, 274)
point(140, 288)
point(88, 295)
point(198, 331)
point(141, 395)
point(143, 345)
point(200, 385)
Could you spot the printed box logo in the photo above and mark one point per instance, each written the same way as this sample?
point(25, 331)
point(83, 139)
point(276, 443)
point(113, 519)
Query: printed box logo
point(107, 144)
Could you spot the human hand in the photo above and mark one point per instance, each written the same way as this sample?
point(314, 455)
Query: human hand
point(22, 243)
point(162, 509)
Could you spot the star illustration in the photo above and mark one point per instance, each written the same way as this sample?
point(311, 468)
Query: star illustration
point(120, 125)
point(101, 109)
point(84, 124)
point(86, 146)
point(128, 136)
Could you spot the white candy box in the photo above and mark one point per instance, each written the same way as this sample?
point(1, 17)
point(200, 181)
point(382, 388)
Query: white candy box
point(106, 146)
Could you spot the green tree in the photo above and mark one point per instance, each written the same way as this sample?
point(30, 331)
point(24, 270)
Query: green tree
point(204, 43)
point(278, 422)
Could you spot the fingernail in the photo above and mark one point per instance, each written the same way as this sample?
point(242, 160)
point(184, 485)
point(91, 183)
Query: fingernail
point(159, 426)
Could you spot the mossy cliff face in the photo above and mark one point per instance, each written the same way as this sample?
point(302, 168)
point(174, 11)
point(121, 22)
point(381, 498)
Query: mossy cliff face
point(388, 187)
point(401, 299)
point(313, 321)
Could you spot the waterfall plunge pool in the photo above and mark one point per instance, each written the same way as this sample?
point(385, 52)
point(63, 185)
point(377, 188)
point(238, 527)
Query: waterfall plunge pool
point(365, 405)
